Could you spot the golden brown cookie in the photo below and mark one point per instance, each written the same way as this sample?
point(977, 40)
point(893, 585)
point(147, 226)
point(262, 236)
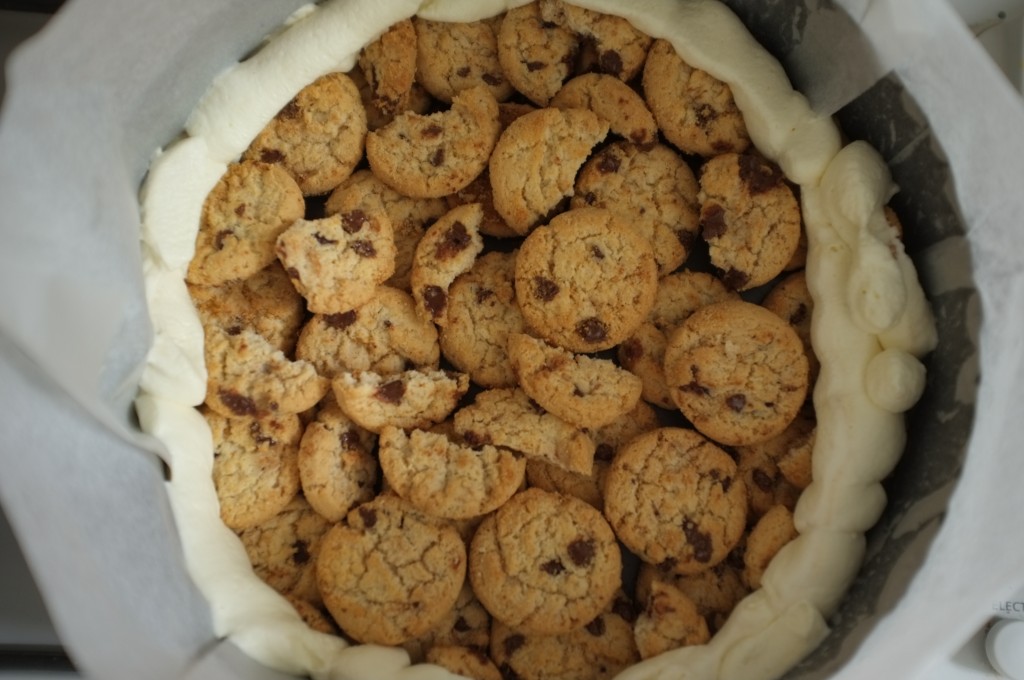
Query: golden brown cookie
point(409, 217)
point(455, 56)
point(536, 56)
point(389, 67)
point(433, 155)
point(654, 189)
point(283, 549)
point(337, 467)
point(482, 312)
point(389, 572)
point(417, 101)
point(467, 624)
point(694, 110)
point(597, 650)
point(467, 662)
point(242, 217)
point(676, 500)
point(248, 377)
point(385, 336)
point(545, 563)
point(771, 533)
point(791, 300)
point(643, 355)
point(337, 262)
point(318, 137)
point(586, 280)
point(737, 372)
point(266, 303)
point(507, 417)
point(715, 591)
point(448, 248)
point(750, 218)
point(669, 619)
point(620, 49)
point(254, 466)
point(411, 399)
point(588, 392)
point(765, 483)
point(533, 167)
point(445, 478)
point(615, 101)
point(683, 293)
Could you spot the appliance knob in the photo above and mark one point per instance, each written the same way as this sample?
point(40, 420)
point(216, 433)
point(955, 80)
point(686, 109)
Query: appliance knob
point(1004, 645)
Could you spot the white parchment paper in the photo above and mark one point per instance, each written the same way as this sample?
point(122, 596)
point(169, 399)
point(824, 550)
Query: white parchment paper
point(110, 81)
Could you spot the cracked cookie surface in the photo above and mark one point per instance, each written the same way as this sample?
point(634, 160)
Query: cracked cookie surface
point(545, 563)
point(482, 312)
point(695, 111)
point(620, 49)
point(318, 137)
point(749, 217)
point(390, 573)
point(411, 399)
point(242, 217)
point(445, 478)
point(668, 620)
point(654, 189)
point(536, 56)
point(454, 56)
point(555, 274)
point(615, 101)
point(448, 248)
point(433, 155)
point(254, 466)
point(676, 500)
point(337, 262)
point(389, 66)
point(384, 335)
point(534, 164)
point(737, 372)
point(588, 392)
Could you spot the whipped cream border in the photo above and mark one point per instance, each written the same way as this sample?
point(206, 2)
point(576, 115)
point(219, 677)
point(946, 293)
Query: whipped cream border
point(858, 323)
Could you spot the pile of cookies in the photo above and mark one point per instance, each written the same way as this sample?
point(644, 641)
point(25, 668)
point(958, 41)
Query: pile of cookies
point(508, 347)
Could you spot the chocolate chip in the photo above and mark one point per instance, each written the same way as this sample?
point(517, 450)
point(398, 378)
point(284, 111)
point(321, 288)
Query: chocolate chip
point(348, 440)
point(758, 174)
point(532, 66)
point(435, 300)
point(632, 351)
point(492, 79)
point(712, 221)
point(582, 551)
point(609, 163)
point(597, 252)
point(353, 221)
point(431, 131)
point(238, 404)
point(461, 625)
point(736, 402)
point(463, 71)
point(363, 248)
point(290, 111)
point(667, 565)
point(391, 392)
point(260, 437)
point(234, 330)
point(590, 198)
point(799, 316)
point(624, 609)
point(596, 627)
point(592, 330)
point(271, 156)
point(340, 321)
point(221, 237)
point(544, 289)
point(240, 209)
point(735, 279)
point(437, 158)
point(726, 484)
point(604, 452)
point(610, 62)
point(699, 540)
point(696, 388)
point(323, 240)
point(686, 238)
point(300, 552)
point(475, 440)
point(512, 643)
point(483, 294)
point(369, 516)
point(762, 480)
point(705, 115)
point(553, 567)
point(454, 241)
